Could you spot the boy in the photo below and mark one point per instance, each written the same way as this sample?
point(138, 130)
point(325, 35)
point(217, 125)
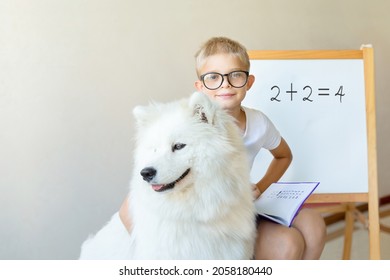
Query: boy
point(222, 67)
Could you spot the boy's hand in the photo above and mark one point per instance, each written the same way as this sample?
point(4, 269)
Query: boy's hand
point(256, 192)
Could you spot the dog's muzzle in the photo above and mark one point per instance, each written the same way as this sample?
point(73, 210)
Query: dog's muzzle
point(148, 174)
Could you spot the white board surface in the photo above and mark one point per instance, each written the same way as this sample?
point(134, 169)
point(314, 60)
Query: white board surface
point(318, 105)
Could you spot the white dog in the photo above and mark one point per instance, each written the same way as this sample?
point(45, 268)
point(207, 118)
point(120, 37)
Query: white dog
point(190, 193)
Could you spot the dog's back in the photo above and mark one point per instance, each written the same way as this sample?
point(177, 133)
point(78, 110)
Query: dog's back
point(190, 195)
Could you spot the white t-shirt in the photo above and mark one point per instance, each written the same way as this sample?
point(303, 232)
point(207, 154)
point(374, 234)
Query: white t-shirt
point(259, 133)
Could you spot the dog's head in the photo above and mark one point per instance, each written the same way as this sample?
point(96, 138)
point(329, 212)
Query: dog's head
point(183, 140)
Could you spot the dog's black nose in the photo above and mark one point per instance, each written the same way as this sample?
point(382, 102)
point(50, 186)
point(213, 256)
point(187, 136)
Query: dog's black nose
point(148, 173)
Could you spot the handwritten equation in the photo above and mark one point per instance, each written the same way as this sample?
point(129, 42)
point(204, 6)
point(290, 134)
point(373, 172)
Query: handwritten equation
point(307, 93)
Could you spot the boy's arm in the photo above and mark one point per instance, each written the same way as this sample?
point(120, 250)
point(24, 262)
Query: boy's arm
point(279, 164)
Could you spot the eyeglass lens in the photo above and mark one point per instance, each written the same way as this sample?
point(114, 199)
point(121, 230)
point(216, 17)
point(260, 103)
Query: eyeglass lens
point(214, 80)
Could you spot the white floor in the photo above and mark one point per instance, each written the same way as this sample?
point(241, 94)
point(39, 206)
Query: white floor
point(360, 249)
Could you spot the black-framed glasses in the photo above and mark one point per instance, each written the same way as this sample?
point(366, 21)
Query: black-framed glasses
point(214, 80)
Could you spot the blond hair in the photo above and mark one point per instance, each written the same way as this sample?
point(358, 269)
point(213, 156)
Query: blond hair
point(221, 45)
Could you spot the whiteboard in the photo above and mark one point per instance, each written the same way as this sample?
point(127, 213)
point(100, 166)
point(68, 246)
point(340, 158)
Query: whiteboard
point(318, 105)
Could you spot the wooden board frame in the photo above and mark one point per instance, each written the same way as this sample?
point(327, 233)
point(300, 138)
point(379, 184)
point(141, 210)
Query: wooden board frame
point(371, 197)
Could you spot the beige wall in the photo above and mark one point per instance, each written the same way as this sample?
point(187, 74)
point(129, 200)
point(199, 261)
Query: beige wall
point(71, 72)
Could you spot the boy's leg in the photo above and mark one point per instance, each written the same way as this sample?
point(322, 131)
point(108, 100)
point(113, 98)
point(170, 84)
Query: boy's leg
point(313, 229)
point(304, 240)
point(277, 242)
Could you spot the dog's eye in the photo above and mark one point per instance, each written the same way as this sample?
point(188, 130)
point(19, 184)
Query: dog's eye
point(178, 146)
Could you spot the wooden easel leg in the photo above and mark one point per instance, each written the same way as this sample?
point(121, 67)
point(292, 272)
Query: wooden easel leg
point(383, 227)
point(348, 232)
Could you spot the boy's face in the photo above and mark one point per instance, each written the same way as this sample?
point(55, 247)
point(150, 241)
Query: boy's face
point(226, 95)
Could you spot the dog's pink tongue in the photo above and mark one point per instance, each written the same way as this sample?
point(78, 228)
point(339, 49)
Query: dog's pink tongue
point(157, 187)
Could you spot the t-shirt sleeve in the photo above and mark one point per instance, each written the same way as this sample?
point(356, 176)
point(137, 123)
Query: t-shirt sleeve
point(273, 137)
point(260, 133)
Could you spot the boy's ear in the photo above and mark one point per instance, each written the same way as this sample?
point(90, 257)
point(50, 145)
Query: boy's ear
point(198, 85)
point(203, 108)
point(251, 80)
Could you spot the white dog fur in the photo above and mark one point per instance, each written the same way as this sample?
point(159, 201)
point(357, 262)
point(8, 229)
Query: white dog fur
point(195, 200)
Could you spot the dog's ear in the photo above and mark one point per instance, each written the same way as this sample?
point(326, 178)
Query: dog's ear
point(141, 114)
point(203, 108)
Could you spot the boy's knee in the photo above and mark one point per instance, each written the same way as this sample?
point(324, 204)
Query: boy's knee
point(311, 224)
point(318, 227)
point(320, 231)
point(321, 226)
point(285, 244)
point(293, 245)
point(313, 228)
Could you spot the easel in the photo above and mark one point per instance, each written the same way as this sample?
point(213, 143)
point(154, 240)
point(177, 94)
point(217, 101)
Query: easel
point(345, 202)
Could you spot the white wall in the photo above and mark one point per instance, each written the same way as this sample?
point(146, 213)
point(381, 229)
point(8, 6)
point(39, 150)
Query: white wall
point(71, 72)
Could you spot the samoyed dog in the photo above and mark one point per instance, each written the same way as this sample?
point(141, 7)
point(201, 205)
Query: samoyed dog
point(190, 192)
